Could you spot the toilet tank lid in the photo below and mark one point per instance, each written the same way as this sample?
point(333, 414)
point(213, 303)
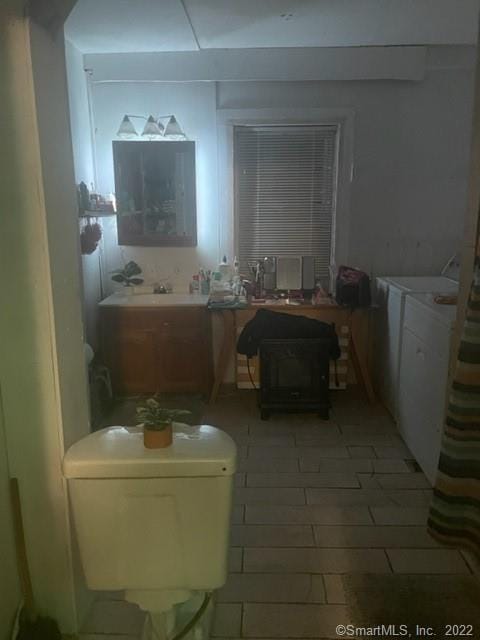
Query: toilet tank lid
point(118, 452)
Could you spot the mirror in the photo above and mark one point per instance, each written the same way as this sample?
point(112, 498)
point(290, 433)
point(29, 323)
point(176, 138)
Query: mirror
point(155, 193)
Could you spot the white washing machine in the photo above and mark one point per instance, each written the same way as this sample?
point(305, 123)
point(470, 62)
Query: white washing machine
point(390, 296)
point(424, 364)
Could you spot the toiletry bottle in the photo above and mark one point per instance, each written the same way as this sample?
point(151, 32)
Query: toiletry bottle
point(236, 281)
point(204, 282)
point(196, 283)
point(225, 269)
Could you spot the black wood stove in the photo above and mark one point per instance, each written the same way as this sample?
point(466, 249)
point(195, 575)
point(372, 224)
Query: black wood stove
point(294, 375)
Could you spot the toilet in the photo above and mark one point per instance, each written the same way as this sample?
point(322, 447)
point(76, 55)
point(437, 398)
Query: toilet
point(153, 523)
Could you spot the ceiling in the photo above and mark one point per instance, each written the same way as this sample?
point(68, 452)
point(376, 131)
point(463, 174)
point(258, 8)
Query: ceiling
point(115, 26)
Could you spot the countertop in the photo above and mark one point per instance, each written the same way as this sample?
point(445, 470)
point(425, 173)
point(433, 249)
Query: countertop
point(152, 300)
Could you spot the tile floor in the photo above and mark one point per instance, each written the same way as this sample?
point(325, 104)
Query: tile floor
point(314, 500)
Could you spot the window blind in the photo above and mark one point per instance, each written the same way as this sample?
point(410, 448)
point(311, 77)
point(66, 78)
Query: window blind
point(285, 192)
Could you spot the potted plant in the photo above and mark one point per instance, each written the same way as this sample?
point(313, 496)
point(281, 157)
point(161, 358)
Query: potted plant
point(157, 423)
point(127, 275)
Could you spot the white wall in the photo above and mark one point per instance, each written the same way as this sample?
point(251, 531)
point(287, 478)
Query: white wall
point(194, 106)
point(42, 371)
point(411, 150)
point(83, 156)
point(84, 166)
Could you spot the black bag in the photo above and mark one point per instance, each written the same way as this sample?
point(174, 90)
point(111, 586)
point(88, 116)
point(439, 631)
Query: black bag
point(352, 288)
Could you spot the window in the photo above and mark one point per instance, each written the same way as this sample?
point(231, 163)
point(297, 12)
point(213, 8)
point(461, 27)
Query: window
point(285, 192)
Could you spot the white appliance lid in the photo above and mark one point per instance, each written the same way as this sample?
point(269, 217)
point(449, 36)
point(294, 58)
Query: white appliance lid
point(118, 452)
point(444, 313)
point(422, 284)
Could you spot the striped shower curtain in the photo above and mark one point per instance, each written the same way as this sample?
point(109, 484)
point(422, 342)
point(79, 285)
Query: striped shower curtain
point(455, 509)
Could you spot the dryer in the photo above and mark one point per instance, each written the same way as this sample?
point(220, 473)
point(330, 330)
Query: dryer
point(423, 381)
point(390, 295)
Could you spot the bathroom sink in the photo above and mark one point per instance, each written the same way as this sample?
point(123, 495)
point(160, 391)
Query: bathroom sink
point(120, 299)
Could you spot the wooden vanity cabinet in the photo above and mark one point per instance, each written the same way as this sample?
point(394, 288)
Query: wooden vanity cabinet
point(157, 350)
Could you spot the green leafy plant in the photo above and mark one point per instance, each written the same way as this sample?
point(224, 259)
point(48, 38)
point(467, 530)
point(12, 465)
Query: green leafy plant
point(127, 275)
point(157, 418)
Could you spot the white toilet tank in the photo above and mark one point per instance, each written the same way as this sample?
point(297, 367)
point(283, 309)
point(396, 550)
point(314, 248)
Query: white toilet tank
point(152, 519)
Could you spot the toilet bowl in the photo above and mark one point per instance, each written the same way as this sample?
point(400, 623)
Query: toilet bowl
point(153, 523)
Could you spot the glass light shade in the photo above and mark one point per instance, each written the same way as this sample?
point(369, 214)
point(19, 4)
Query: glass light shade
point(126, 130)
point(173, 130)
point(152, 128)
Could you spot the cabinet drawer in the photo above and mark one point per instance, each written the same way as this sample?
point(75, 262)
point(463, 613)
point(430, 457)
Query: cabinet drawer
point(181, 319)
point(153, 318)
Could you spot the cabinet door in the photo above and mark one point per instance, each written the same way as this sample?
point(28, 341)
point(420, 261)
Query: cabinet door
point(158, 350)
point(183, 361)
point(132, 361)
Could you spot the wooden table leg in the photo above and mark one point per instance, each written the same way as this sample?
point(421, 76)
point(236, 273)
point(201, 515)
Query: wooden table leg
point(361, 371)
point(228, 341)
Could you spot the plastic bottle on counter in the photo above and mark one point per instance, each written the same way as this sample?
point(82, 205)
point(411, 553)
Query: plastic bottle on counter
point(195, 284)
point(225, 269)
point(236, 281)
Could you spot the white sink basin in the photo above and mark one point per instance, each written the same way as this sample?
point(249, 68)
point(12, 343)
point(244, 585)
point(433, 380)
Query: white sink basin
point(120, 299)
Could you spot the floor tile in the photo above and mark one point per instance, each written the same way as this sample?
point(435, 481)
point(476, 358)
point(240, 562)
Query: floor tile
point(334, 589)
point(393, 452)
point(315, 561)
point(368, 481)
point(227, 620)
point(304, 430)
point(370, 439)
point(370, 537)
point(273, 495)
point(240, 479)
point(267, 441)
point(242, 451)
point(326, 480)
point(261, 429)
point(309, 514)
point(283, 587)
point(427, 561)
point(335, 466)
point(409, 497)
point(363, 498)
point(236, 431)
point(348, 497)
point(368, 427)
point(403, 481)
point(235, 559)
point(472, 561)
point(292, 620)
point(102, 636)
point(309, 452)
point(238, 514)
point(390, 466)
point(400, 515)
point(272, 536)
point(319, 453)
point(114, 617)
point(268, 465)
point(361, 452)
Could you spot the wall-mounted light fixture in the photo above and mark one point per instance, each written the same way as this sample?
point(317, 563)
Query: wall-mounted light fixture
point(161, 128)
